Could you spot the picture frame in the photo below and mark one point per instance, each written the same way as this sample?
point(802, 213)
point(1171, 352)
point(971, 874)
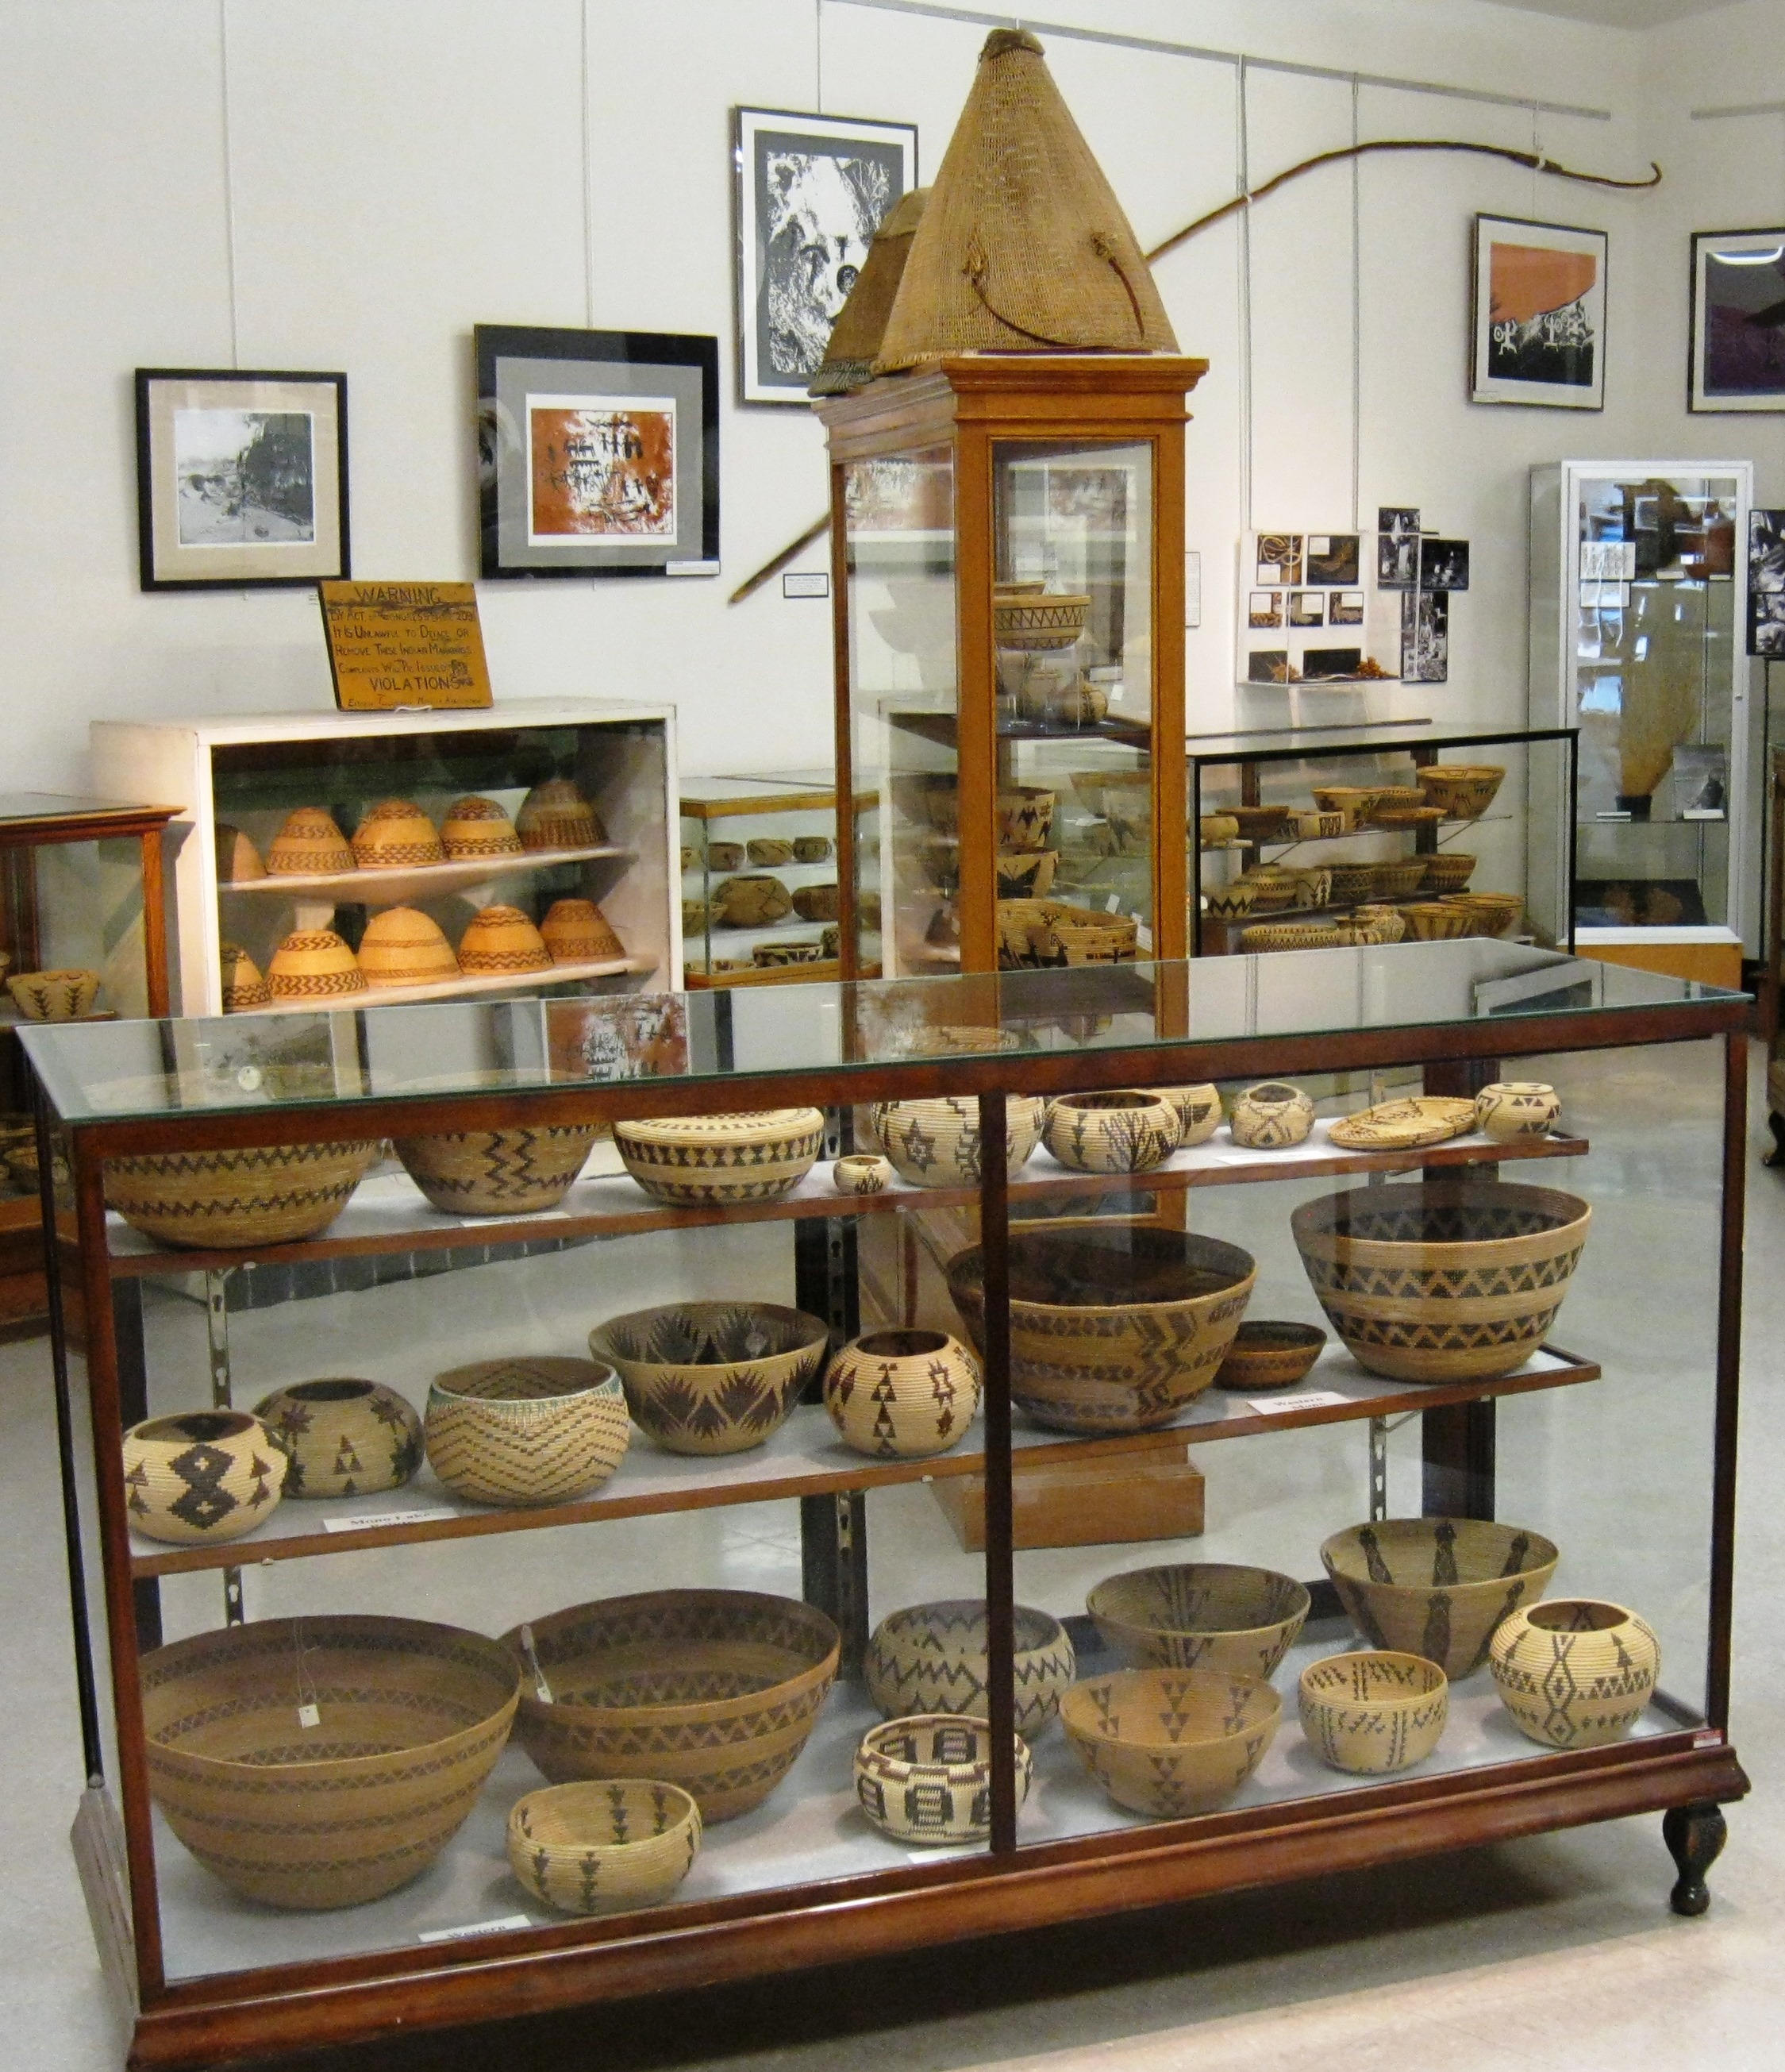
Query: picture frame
point(1538, 321)
point(1735, 362)
point(1767, 584)
point(242, 479)
point(598, 452)
point(809, 191)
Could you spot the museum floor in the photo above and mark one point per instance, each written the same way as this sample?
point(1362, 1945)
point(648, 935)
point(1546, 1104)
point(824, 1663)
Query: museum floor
point(1560, 1946)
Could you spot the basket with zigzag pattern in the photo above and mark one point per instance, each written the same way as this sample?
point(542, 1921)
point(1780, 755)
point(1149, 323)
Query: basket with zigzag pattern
point(713, 1377)
point(498, 1172)
point(273, 1194)
point(933, 1658)
point(1441, 1280)
point(522, 1431)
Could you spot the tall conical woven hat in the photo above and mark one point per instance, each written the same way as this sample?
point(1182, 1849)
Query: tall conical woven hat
point(1023, 248)
point(848, 361)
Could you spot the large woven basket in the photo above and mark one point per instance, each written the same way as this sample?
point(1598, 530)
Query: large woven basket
point(1170, 1742)
point(259, 1194)
point(709, 1160)
point(848, 361)
point(713, 1377)
point(529, 1431)
point(498, 1172)
point(409, 1719)
point(933, 1658)
point(715, 1691)
point(1200, 1615)
point(1441, 1280)
point(1437, 1587)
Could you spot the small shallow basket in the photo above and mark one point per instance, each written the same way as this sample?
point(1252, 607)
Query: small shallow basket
point(1267, 1355)
point(1464, 790)
point(1170, 1742)
point(715, 1691)
point(603, 1848)
point(1374, 1714)
point(1200, 1615)
point(1260, 824)
point(933, 1658)
point(1394, 798)
point(927, 1779)
point(713, 1377)
point(1270, 935)
point(411, 1718)
point(1441, 1280)
point(1437, 1587)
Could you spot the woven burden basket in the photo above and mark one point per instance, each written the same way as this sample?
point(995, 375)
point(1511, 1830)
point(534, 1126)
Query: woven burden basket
point(848, 361)
point(498, 1172)
point(410, 1719)
point(1021, 247)
point(1111, 1330)
point(715, 1691)
point(1441, 1280)
point(1437, 1587)
point(260, 1195)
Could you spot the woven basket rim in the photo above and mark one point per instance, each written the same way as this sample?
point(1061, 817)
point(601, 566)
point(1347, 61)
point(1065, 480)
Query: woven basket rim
point(1096, 1602)
point(1542, 1552)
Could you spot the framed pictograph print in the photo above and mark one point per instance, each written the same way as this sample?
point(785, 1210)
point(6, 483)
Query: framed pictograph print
point(241, 477)
point(1738, 357)
point(598, 452)
point(1539, 325)
point(811, 190)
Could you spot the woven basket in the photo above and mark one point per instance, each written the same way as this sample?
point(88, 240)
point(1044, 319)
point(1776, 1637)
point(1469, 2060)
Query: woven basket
point(1019, 922)
point(314, 963)
point(900, 1395)
point(935, 1142)
point(1399, 879)
point(1025, 813)
point(309, 844)
point(393, 835)
point(848, 361)
point(1437, 1587)
point(238, 860)
point(524, 1432)
point(710, 1160)
point(1490, 913)
point(410, 1719)
point(751, 901)
point(244, 988)
point(1260, 823)
point(1575, 1672)
point(1265, 1354)
point(818, 903)
point(555, 814)
point(1291, 935)
point(1272, 887)
point(1375, 1713)
point(927, 1779)
point(1352, 882)
point(54, 996)
point(1353, 801)
point(498, 1172)
point(576, 932)
point(1464, 790)
point(1395, 798)
point(713, 1377)
point(1449, 871)
point(403, 946)
point(1080, 936)
point(603, 1848)
point(1038, 625)
point(932, 1658)
point(1441, 1280)
point(202, 1476)
point(476, 828)
point(1200, 1615)
point(1170, 1742)
point(1433, 921)
point(715, 1691)
point(260, 1195)
point(342, 1436)
point(501, 940)
point(1021, 247)
point(1404, 819)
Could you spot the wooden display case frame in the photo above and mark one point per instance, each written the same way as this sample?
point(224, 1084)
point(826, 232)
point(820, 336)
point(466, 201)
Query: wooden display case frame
point(1686, 1771)
point(971, 403)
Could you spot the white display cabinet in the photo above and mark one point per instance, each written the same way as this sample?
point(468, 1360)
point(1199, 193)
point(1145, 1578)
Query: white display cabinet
point(1639, 607)
point(250, 773)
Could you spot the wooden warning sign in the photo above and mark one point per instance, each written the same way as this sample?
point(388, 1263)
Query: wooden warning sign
point(393, 645)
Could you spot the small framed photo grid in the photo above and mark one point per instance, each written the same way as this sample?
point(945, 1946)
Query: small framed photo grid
point(1738, 351)
point(1539, 315)
point(811, 191)
point(1303, 604)
point(598, 452)
point(242, 479)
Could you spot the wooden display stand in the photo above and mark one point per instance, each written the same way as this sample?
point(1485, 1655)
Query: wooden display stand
point(1653, 950)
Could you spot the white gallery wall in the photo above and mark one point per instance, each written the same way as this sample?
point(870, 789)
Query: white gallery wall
point(353, 184)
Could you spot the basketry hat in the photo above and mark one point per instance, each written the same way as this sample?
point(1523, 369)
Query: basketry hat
point(848, 361)
point(1022, 246)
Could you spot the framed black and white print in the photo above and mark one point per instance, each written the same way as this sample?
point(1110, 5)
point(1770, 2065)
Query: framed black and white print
point(1737, 354)
point(1443, 564)
point(241, 477)
point(1539, 323)
point(598, 452)
point(811, 190)
point(1766, 583)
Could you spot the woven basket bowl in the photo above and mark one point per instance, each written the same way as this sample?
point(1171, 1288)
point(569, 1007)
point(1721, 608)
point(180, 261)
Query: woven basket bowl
point(710, 1160)
point(1080, 937)
point(715, 1691)
point(555, 814)
point(900, 1395)
point(1437, 921)
point(205, 1475)
point(1271, 935)
point(394, 834)
point(1034, 625)
point(403, 946)
point(813, 848)
point(1402, 818)
point(577, 931)
point(314, 963)
point(411, 1719)
point(1352, 882)
point(1267, 1355)
point(1437, 1587)
point(1213, 830)
point(1397, 880)
point(1575, 1672)
point(713, 1377)
point(935, 1142)
point(724, 855)
point(519, 1432)
point(769, 852)
point(1199, 1110)
point(751, 901)
point(1441, 1280)
point(1123, 1130)
point(498, 1172)
point(1464, 790)
point(342, 1436)
point(808, 950)
point(819, 902)
point(1392, 798)
point(260, 1195)
point(603, 1848)
point(1232, 903)
point(502, 940)
point(475, 827)
point(309, 844)
point(932, 1658)
point(927, 1779)
point(1272, 887)
point(1020, 922)
point(1260, 823)
point(1200, 1615)
point(1383, 924)
point(1113, 1330)
point(1272, 1115)
point(1029, 874)
point(1354, 800)
point(54, 996)
point(1025, 813)
point(1490, 913)
point(1376, 1712)
point(1448, 871)
point(1170, 1742)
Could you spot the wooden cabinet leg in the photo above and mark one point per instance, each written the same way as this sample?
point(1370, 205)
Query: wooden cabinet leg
point(1695, 1835)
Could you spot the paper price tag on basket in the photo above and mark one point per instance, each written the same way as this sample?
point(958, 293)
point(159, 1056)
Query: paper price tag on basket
point(1309, 1398)
point(310, 1716)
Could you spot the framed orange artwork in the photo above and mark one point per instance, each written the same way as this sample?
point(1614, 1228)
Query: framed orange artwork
point(1539, 328)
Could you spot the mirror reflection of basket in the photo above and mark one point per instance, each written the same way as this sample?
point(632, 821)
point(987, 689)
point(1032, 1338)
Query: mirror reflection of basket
point(1074, 704)
point(1036, 622)
point(1028, 874)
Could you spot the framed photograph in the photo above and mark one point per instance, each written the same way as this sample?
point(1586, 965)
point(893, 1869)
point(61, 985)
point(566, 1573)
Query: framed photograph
point(1308, 607)
point(1332, 558)
point(1738, 349)
point(598, 452)
point(1279, 558)
point(1396, 546)
point(1426, 637)
point(1269, 665)
point(242, 479)
point(1323, 662)
point(1264, 607)
point(1766, 624)
point(1346, 608)
point(811, 191)
point(1539, 319)
point(1443, 564)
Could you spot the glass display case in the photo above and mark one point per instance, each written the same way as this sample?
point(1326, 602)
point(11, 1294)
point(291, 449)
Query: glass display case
point(414, 856)
point(1007, 552)
point(1638, 616)
point(356, 1578)
point(759, 879)
point(1313, 838)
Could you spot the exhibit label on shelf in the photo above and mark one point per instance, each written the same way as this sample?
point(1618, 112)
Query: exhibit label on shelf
point(398, 646)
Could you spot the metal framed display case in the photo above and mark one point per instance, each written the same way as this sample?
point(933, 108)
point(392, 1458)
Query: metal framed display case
point(1007, 587)
point(759, 879)
point(1489, 814)
point(81, 897)
point(1639, 618)
point(769, 1540)
point(247, 775)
